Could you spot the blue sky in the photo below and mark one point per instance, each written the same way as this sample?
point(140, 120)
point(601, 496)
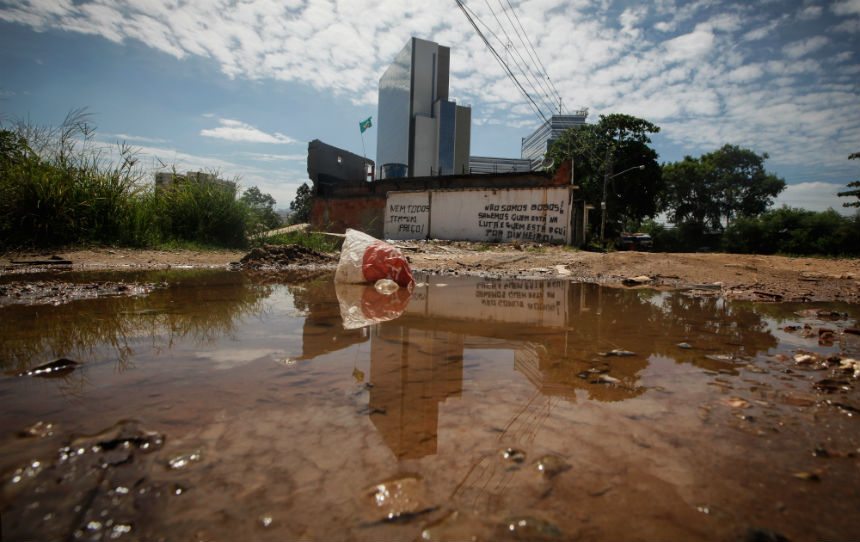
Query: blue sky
point(242, 87)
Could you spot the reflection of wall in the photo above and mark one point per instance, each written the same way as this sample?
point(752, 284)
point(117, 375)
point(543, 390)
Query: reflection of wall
point(412, 371)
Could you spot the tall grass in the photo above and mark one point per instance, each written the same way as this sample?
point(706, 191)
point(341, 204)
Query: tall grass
point(58, 190)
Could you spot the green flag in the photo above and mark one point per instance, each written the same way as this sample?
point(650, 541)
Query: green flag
point(365, 125)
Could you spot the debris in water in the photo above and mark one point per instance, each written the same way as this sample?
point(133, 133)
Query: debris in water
point(551, 465)
point(617, 352)
point(183, 460)
point(398, 498)
point(513, 455)
point(685, 346)
point(456, 525)
point(386, 286)
point(58, 367)
point(811, 476)
point(850, 365)
point(38, 429)
point(530, 528)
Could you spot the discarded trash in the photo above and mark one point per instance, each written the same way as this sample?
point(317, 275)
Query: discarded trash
point(366, 259)
point(386, 286)
point(363, 304)
point(58, 367)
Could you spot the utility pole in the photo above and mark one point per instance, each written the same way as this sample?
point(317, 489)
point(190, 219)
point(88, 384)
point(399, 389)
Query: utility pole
point(607, 174)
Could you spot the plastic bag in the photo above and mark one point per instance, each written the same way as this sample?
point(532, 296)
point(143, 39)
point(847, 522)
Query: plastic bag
point(362, 304)
point(366, 259)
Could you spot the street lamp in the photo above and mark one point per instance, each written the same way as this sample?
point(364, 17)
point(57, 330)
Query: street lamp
point(606, 179)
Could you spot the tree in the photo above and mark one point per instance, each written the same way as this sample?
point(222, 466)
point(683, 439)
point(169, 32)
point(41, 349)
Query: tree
point(261, 208)
point(301, 206)
point(853, 184)
point(716, 188)
point(601, 151)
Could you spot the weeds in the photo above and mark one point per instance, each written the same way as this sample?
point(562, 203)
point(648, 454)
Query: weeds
point(312, 240)
point(57, 189)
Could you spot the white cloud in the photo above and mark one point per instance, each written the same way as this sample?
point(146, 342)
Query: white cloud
point(713, 72)
point(801, 48)
point(846, 7)
point(810, 12)
point(234, 130)
point(814, 196)
point(689, 46)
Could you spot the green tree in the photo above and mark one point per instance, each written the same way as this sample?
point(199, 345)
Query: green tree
point(602, 151)
point(855, 185)
point(261, 209)
point(301, 206)
point(716, 188)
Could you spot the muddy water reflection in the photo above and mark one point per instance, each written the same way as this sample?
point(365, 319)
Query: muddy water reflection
point(486, 410)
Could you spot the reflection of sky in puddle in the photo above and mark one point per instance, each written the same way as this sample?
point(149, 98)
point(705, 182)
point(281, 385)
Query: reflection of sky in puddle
point(266, 381)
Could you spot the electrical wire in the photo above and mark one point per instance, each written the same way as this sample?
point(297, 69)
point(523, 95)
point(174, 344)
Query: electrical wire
point(501, 61)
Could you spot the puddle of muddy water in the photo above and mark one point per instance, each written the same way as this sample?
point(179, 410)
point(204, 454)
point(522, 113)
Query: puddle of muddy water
point(221, 406)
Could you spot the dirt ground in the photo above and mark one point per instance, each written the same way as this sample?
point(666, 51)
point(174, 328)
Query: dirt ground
point(761, 278)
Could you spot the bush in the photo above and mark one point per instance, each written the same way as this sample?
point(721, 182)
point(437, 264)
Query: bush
point(56, 190)
point(795, 231)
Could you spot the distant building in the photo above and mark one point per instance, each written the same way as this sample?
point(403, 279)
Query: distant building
point(536, 145)
point(421, 132)
point(488, 164)
point(328, 164)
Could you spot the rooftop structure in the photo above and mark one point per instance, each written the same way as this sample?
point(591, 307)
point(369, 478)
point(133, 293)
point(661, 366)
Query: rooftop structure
point(536, 145)
point(490, 164)
point(421, 131)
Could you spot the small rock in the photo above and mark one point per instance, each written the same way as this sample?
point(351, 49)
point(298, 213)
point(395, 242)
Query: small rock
point(58, 367)
point(513, 455)
point(551, 465)
point(685, 346)
point(641, 279)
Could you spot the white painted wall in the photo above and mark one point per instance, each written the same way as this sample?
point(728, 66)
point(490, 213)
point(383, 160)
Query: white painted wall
point(540, 215)
point(407, 215)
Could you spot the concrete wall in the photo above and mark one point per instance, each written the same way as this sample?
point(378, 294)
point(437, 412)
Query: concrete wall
point(362, 205)
point(337, 214)
point(541, 215)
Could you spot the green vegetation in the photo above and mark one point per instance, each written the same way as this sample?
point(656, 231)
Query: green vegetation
point(301, 206)
point(312, 240)
point(794, 231)
point(854, 186)
point(606, 160)
point(57, 190)
point(718, 201)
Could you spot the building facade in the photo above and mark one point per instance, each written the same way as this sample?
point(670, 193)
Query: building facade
point(536, 144)
point(421, 132)
point(490, 164)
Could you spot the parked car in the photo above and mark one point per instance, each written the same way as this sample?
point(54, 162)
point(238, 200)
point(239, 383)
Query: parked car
point(636, 241)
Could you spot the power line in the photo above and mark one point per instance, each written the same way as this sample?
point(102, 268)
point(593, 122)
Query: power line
point(524, 66)
point(501, 61)
point(531, 49)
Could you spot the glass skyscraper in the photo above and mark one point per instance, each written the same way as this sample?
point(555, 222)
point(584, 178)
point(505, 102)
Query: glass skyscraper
point(536, 145)
point(421, 132)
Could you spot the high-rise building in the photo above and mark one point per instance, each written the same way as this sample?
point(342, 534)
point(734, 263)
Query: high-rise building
point(421, 132)
point(536, 145)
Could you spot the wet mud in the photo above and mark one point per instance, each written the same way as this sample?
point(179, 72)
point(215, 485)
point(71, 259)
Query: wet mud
point(223, 405)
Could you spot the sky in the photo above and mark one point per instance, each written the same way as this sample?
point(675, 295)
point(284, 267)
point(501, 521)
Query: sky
point(241, 87)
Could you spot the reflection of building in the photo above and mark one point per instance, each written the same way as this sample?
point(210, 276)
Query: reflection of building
point(412, 371)
point(421, 132)
point(536, 144)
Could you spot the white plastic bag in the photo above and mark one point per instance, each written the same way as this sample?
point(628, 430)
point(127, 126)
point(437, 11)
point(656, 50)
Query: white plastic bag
point(366, 259)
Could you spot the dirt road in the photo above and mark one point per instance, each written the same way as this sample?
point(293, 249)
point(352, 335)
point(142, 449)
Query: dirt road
point(762, 278)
